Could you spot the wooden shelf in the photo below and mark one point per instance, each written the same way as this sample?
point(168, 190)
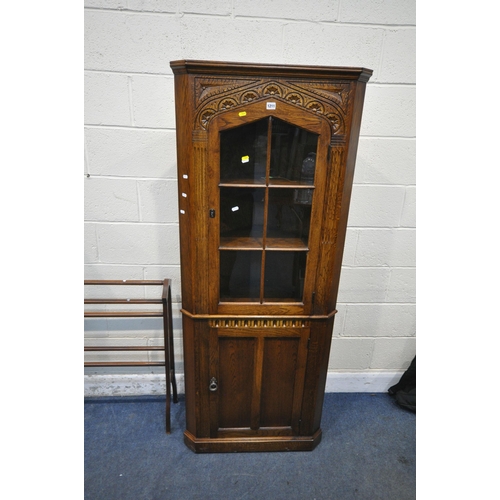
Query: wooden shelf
point(277, 182)
point(287, 183)
point(251, 183)
point(272, 244)
point(240, 243)
point(286, 244)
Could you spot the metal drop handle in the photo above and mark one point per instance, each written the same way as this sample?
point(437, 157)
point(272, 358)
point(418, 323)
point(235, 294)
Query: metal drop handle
point(213, 384)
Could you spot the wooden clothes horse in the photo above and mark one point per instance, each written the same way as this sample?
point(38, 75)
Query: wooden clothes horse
point(168, 345)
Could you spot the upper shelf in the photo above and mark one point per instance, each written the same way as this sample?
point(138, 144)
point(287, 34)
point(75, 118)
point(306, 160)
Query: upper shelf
point(273, 182)
point(272, 243)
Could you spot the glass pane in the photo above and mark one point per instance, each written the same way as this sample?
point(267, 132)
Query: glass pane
point(246, 202)
point(243, 152)
point(241, 216)
point(287, 220)
point(284, 275)
point(240, 274)
point(293, 154)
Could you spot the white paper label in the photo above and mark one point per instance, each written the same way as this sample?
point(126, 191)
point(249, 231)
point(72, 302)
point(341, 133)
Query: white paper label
point(270, 105)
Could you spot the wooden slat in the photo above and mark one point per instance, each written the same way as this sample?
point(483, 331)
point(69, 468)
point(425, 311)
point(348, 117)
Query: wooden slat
point(122, 314)
point(124, 363)
point(123, 282)
point(122, 301)
point(125, 348)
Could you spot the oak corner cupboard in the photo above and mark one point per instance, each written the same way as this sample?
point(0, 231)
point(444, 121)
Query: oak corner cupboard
point(265, 157)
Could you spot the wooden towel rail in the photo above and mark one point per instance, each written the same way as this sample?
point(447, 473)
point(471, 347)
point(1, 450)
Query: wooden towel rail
point(168, 345)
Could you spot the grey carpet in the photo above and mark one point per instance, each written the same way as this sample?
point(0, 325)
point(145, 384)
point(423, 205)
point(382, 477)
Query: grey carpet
point(368, 451)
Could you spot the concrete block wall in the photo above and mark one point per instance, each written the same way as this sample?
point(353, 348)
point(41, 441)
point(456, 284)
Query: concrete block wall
point(131, 216)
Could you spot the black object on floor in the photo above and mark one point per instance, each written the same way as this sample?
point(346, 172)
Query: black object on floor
point(367, 452)
point(405, 391)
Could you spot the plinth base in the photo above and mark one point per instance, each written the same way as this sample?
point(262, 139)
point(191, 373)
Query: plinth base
point(252, 444)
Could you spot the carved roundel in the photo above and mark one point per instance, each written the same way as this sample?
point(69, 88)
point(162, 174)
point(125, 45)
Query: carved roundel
point(295, 98)
point(316, 106)
point(205, 117)
point(227, 103)
point(272, 90)
point(336, 121)
point(249, 96)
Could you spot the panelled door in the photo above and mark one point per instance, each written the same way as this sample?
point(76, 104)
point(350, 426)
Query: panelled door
point(257, 379)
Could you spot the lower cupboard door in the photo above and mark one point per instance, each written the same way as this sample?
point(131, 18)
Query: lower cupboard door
point(257, 381)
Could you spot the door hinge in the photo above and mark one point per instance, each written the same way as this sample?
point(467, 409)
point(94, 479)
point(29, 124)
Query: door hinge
point(212, 213)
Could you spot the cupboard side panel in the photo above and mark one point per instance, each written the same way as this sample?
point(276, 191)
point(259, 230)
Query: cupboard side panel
point(324, 339)
point(196, 372)
point(199, 222)
point(189, 373)
point(203, 374)
point(346, 186)
point(315, 377)
point(329, 228)
point(183, 117)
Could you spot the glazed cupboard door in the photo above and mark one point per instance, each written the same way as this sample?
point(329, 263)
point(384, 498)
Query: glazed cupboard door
point(267, 187)
point(256, 380)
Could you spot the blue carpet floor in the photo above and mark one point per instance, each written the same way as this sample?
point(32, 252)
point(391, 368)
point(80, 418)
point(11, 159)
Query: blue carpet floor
point(367, 452)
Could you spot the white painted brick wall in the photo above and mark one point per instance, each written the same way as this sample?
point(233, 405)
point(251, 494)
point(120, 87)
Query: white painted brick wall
point(131, 224)
point(385, 161)
point(131, 152)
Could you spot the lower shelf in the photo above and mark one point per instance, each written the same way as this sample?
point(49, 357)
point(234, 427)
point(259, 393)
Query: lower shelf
point(254, 444)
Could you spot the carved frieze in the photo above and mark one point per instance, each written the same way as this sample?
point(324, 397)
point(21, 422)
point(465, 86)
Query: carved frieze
point(258, 323)
point(217, 95)
point(336, 92)
point(210, 87)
